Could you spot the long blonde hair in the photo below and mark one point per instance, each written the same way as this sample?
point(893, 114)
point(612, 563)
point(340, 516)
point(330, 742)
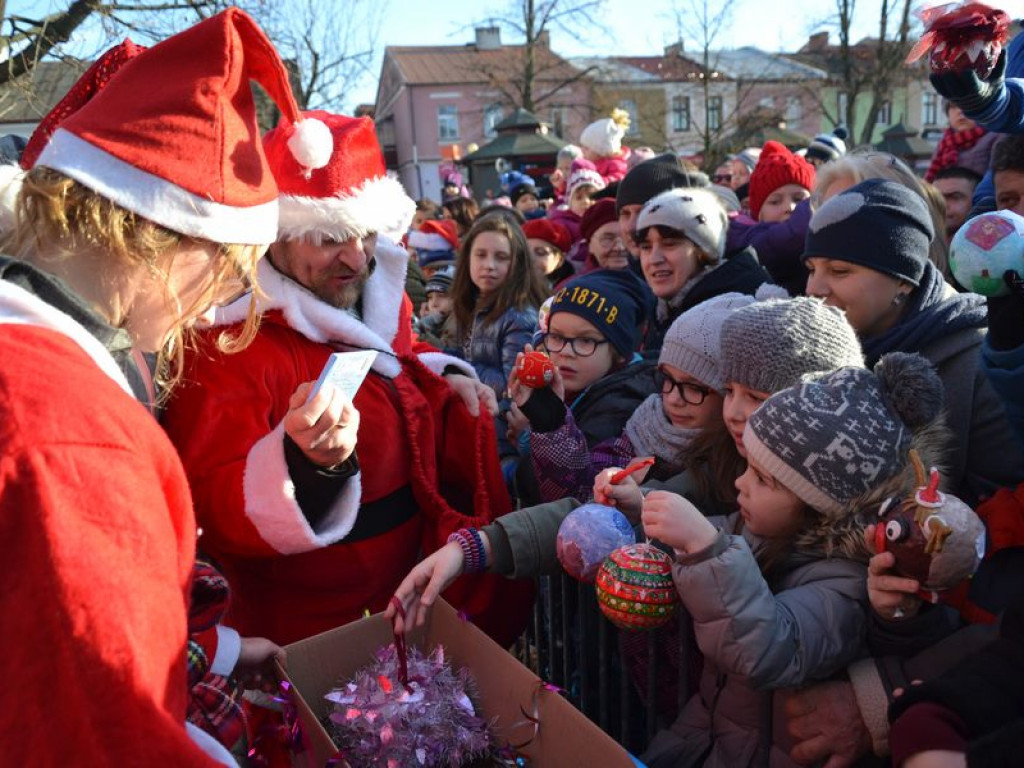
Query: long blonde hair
point(57, 216)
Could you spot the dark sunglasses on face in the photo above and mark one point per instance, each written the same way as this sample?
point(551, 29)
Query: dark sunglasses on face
point(693, 394)
point(582, 347)
point(722, 178)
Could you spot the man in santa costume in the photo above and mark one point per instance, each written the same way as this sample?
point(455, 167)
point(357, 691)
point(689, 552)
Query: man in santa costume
point(316, 507)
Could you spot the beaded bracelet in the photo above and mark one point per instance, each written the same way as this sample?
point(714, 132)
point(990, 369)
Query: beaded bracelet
point(472, 546)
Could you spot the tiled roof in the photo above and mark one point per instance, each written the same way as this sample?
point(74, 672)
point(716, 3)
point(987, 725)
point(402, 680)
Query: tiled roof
point(453, 64)
point(752, 64)
point(613, 70)
point(664, 67)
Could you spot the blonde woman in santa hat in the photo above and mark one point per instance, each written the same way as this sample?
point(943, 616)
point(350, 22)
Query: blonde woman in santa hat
point(150, 203)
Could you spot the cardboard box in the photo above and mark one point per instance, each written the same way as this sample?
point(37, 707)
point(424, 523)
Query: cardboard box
point(565, 736)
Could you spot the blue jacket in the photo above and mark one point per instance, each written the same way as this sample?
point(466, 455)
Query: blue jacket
point(1005, 113)
point(1005, 370)
point(493, 346)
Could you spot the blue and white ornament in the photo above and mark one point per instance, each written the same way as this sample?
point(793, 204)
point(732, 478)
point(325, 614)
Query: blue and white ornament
point(588, 535)
point(984, 248)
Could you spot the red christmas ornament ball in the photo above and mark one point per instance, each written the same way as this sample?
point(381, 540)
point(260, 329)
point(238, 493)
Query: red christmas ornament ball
point(635, 589)
point(535, 370)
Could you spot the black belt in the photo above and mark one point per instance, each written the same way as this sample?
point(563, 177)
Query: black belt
point(383, 515)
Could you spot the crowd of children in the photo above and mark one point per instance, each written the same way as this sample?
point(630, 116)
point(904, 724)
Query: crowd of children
point(778, 427)
point(784, 340)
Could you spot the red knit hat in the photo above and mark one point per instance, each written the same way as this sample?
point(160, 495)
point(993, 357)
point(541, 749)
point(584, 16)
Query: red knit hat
point(550, 232)
point(777, 167)
point(351, 196)
point(597, 215)
point(173, 137)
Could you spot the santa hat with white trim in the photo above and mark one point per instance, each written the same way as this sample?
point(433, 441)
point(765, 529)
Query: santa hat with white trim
point(351, 196)
point(174, 138)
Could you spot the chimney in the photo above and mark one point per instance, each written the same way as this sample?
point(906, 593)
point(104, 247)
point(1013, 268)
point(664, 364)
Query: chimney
point(676, 49)
point(488, 38)
point(816, 42)
point(544, 39)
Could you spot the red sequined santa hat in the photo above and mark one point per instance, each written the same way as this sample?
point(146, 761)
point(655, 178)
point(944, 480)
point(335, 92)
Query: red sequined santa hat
point(173, 136)
point(351, 196)
point(777, 167)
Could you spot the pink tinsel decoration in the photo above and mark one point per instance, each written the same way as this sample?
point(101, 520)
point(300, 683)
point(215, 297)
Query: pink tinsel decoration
point(378, 722)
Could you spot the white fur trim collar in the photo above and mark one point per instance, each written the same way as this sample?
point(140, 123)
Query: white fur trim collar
point(320, 322)
point(19, 307)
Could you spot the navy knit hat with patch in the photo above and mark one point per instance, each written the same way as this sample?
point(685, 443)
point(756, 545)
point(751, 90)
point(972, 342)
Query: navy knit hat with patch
point(878, 224)
point(615, 301)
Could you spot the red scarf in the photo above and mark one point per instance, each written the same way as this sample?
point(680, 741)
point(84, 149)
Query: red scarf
point(950, 146)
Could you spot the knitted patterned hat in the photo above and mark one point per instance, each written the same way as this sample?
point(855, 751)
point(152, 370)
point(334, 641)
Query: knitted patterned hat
point(777, 167)
point(600, 213)
point(768, 345)
point(582, 173)
point(693, 341)
point(652, 177)
point(879, 224)
point(549, 231)
point(696, 213)
point(615, 301)
point(832, 439)
point(827, 147)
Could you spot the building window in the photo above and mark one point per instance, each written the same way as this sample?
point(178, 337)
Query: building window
point(558, 121)
point(794, 110)
point(884, 113)
point(492, 116)
point(630, 106)
point(680, 113)
point(447, 123)
point(715, 113)
point(930, 109)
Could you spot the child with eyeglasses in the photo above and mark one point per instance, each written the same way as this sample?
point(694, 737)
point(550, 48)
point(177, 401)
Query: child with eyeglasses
point(680, 419)
point(593, 326)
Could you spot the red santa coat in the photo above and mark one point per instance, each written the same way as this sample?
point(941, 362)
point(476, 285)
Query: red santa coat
point(290, 579)
point(98, 539)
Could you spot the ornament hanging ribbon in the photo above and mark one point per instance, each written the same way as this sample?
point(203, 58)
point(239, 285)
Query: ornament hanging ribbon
point(400, 647)
point(532, 717)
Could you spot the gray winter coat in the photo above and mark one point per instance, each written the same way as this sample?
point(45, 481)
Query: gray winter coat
point(755, 638)
point(491, 347)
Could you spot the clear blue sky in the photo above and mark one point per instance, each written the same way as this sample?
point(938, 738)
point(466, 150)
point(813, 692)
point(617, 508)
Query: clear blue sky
point(760, 23)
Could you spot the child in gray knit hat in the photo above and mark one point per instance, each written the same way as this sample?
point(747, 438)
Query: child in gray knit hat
point(768, 345)
point(777, 589)
point(667, 424)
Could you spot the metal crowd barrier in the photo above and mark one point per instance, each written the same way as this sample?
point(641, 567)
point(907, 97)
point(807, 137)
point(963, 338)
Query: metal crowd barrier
point(571, 644)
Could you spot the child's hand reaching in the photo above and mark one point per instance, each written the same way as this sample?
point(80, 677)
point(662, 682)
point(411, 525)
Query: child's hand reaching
point(519, 393)
point(891, 596)
point(624, 495)
point(254, 659)
point(674, 521)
